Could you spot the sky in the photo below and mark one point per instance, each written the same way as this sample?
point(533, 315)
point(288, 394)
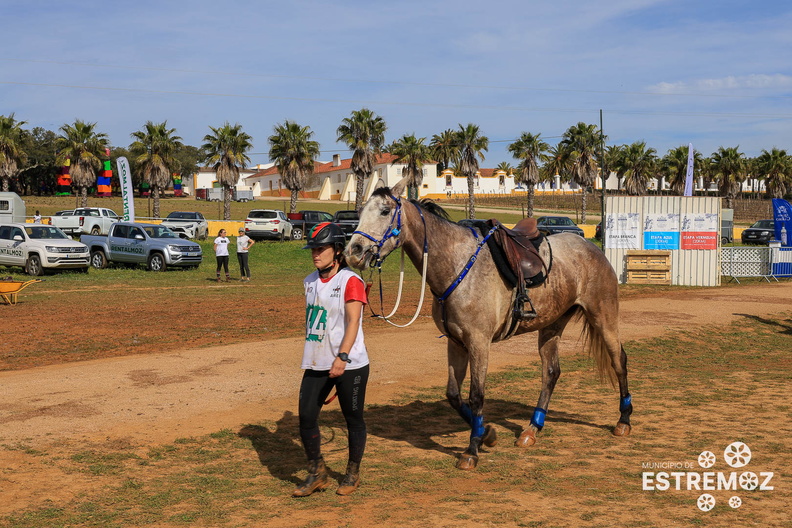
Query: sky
point(666, 72)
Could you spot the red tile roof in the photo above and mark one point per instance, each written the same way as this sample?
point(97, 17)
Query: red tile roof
point(319, 167)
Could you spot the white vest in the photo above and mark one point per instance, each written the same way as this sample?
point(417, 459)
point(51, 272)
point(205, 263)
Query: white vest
point(325, 325)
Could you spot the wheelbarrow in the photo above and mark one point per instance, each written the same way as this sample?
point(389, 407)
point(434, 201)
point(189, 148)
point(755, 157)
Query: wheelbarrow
point(9, 290)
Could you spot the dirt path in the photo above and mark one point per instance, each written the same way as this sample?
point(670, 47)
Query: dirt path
point(158, 398)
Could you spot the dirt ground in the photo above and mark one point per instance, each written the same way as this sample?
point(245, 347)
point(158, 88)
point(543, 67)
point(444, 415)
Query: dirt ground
point(156, 398)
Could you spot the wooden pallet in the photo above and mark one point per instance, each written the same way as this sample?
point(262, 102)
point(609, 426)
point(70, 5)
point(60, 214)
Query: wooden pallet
point(650, 266)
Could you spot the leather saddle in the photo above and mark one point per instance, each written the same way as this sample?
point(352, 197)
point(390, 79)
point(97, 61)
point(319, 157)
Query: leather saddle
point(516, 255)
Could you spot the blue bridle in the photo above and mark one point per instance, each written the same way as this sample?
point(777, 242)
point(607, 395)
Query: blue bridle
point(393, 232)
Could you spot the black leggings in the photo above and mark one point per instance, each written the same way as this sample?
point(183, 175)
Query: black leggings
point(222, 262)
point(244, 268)
point(314, 390)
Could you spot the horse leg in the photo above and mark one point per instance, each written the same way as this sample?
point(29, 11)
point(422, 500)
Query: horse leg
point(470, 412)
point(605, 324)
point(549, 338)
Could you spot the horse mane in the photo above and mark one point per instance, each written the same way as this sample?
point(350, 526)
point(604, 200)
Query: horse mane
point(427, 204)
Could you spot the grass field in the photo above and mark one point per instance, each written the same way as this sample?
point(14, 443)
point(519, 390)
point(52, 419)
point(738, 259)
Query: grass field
point(577, 475)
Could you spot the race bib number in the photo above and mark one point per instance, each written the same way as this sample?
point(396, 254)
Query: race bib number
point(316, 323)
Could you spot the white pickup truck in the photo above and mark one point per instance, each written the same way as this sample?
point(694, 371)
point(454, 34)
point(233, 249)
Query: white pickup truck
point(86, 220)
point(36, 247)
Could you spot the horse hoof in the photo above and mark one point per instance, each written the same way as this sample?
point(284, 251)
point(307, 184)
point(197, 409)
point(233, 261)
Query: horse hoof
point(467, 462)
point(526, 439)
point(622, 429)
point(490, 436)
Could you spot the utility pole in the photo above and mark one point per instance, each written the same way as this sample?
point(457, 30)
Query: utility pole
point(603, 177)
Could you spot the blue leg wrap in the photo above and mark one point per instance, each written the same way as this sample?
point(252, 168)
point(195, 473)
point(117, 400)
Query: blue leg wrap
point(625, 404)
point(538, 418)
point(466, 414)
point(478, 427)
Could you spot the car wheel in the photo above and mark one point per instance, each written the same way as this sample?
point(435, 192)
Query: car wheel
point(156, 262)
point(98, 259)
point(724, 240)
point(297, 233)
point(33, 267)
point(95, 230)
point(202, 236)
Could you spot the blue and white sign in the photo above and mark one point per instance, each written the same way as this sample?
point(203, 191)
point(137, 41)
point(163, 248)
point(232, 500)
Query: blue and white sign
point(782, 217)
point(661, 231)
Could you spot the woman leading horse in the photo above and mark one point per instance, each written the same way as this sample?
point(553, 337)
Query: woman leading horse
point(478, 310)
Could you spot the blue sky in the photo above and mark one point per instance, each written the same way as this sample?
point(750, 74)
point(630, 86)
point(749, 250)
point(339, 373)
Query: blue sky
point(665, 72)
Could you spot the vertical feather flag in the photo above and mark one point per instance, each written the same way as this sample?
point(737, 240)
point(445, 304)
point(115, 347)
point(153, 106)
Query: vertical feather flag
point(689, 175)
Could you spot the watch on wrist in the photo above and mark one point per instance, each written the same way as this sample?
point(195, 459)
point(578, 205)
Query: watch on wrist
point(343, 356)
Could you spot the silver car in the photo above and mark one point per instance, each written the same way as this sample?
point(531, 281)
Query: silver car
point(263, 224)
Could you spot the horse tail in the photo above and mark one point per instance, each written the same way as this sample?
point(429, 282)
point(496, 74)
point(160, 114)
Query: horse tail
point(594, 344)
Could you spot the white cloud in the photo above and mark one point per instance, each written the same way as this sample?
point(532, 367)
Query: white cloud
point(726, 84)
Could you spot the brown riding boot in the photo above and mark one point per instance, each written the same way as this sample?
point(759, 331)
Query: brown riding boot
point(351, 480)
point(316, 480)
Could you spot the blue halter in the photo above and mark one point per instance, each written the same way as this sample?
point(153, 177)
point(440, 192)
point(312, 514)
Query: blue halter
point(393, 232)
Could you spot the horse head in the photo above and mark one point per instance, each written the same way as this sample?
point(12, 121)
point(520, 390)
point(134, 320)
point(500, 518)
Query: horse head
point(380, 225)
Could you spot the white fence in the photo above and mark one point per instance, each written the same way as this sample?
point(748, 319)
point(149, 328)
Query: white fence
point(762, 262)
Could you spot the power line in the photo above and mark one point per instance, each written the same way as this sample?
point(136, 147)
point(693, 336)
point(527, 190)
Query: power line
point(391, 82)
point(400, 103)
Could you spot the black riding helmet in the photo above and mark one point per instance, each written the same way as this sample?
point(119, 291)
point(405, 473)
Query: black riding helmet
point(325, 234)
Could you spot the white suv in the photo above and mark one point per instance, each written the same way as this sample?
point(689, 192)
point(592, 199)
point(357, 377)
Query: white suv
point(262, 224)
point(35, 247)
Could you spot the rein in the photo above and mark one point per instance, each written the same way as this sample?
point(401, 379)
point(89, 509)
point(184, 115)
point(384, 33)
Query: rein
point(392, 232)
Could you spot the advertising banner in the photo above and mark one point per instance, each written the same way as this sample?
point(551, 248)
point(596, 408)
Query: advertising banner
point(661, 231)
point(699, 231)
point(622, 230)
point(782, 217)
point(125, 178)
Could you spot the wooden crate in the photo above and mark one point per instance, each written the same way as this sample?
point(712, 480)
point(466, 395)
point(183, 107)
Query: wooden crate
point(649, 266)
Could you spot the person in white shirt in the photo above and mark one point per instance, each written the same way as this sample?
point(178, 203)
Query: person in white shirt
point(37, 218)
point(334, 356)
point(221, 253)
point(244, 243)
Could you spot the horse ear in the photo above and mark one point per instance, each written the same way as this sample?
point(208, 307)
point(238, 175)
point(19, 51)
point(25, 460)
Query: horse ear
point(398, 189)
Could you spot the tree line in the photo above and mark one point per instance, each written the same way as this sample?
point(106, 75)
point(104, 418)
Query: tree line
point(30, 159)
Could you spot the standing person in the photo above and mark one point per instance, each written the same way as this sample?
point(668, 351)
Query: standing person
point(37, 218)
point(244, 244)
point(221, 253)
point(334, 356)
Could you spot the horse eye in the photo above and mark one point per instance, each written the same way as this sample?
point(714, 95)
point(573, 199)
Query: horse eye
point(385, 212)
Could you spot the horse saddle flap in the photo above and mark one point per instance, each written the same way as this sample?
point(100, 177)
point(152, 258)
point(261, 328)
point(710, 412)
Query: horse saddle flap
point(520, 247)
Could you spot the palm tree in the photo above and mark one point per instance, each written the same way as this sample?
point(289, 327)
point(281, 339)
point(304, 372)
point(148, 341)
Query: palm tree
point(638, 165)
point(226, 150)
point(444, 149)
point(155, 149)
point(674, 167)
point(471, 146)
point(776, 166)
point(86, 148)
point(364, 133)
point(559, 160)
point(529, 149)
point(727, 167)
point(413, 153)
point(613, 163)
point(12, 154)
point(293, 152)
point(584, 140)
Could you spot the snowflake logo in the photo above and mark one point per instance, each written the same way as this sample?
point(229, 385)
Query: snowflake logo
point(737, 454)
point(706, 459)
point(706, 502)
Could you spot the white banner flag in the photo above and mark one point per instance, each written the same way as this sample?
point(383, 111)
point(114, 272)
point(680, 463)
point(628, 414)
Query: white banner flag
point(689, 176)
point(125, 176)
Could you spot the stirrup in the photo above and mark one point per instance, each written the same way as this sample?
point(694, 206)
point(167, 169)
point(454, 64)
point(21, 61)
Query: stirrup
point(519, 303)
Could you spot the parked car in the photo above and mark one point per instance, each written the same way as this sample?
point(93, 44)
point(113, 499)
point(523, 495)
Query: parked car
point(262, 224)
point(303, 221)
point(187, 224)
point(154, 245)
point(37, 247)
point(348, 220)
point(551, 225)
point(93, 220)
point(762, 232)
